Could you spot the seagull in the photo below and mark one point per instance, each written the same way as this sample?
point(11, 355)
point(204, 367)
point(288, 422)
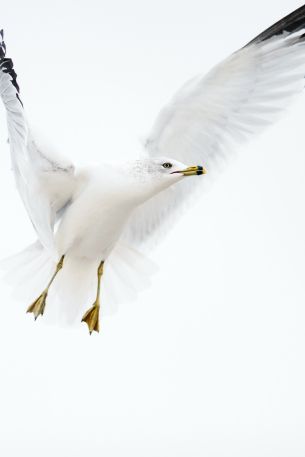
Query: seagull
point(83, 215)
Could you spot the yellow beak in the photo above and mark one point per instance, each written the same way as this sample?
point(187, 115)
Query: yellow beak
point(191, 171)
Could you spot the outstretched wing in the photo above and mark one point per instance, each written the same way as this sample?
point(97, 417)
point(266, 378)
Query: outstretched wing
point(44, 183)
point(210, 114)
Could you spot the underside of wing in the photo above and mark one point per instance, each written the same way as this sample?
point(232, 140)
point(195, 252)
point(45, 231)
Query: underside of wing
point(44, 183)
point(210, 115)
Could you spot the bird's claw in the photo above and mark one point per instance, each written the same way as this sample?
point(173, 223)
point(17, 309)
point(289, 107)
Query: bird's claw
point(91, 317)
point(38, 306)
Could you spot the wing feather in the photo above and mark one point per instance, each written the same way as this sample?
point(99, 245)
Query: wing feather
point(210, 115)
point(44, 183)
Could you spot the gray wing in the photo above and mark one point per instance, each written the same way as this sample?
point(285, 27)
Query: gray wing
point(212, 114)
point(45, 182)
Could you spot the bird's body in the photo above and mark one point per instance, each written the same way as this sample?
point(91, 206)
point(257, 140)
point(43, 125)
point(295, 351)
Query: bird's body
point(87, 217)
point(94, 219)
point(103, 199)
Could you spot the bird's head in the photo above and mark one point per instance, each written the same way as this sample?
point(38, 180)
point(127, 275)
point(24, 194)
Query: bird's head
point(156, 174)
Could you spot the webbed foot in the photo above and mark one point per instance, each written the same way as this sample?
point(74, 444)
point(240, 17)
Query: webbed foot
point(91, 317)
point(38, 306)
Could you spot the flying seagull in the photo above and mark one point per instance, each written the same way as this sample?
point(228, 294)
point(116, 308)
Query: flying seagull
point(83, 215)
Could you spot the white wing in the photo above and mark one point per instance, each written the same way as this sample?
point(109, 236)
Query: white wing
point(210, 114)
point(45, 184)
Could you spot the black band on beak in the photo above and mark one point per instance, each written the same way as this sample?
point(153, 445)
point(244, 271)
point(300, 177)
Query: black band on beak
point(191, 171)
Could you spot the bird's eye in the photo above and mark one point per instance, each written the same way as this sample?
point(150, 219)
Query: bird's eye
point(167, 165)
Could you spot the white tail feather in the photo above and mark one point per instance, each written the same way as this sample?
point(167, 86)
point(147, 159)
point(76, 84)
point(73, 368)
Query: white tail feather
point(126, 273)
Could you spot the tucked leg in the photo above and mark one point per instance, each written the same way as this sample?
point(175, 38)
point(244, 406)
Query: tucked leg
point(91, 317)
point(38, 306)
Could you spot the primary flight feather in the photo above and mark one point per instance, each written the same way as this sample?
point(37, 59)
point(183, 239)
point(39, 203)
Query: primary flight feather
point(91, 219)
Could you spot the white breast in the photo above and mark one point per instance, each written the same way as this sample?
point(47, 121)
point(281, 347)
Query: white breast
point(94, 221)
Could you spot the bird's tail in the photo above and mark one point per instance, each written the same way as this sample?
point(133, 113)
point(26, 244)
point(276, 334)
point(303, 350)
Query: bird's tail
point(126, 273)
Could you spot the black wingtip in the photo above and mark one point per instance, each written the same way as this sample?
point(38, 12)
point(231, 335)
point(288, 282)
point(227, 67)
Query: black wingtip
point(292, 23)
point(7, 66)
point(2, 45)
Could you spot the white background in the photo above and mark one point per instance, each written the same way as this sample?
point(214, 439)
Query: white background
point(210, 360)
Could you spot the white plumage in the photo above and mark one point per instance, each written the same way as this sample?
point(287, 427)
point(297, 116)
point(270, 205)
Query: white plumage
point(212, 114)
point(104, 213)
